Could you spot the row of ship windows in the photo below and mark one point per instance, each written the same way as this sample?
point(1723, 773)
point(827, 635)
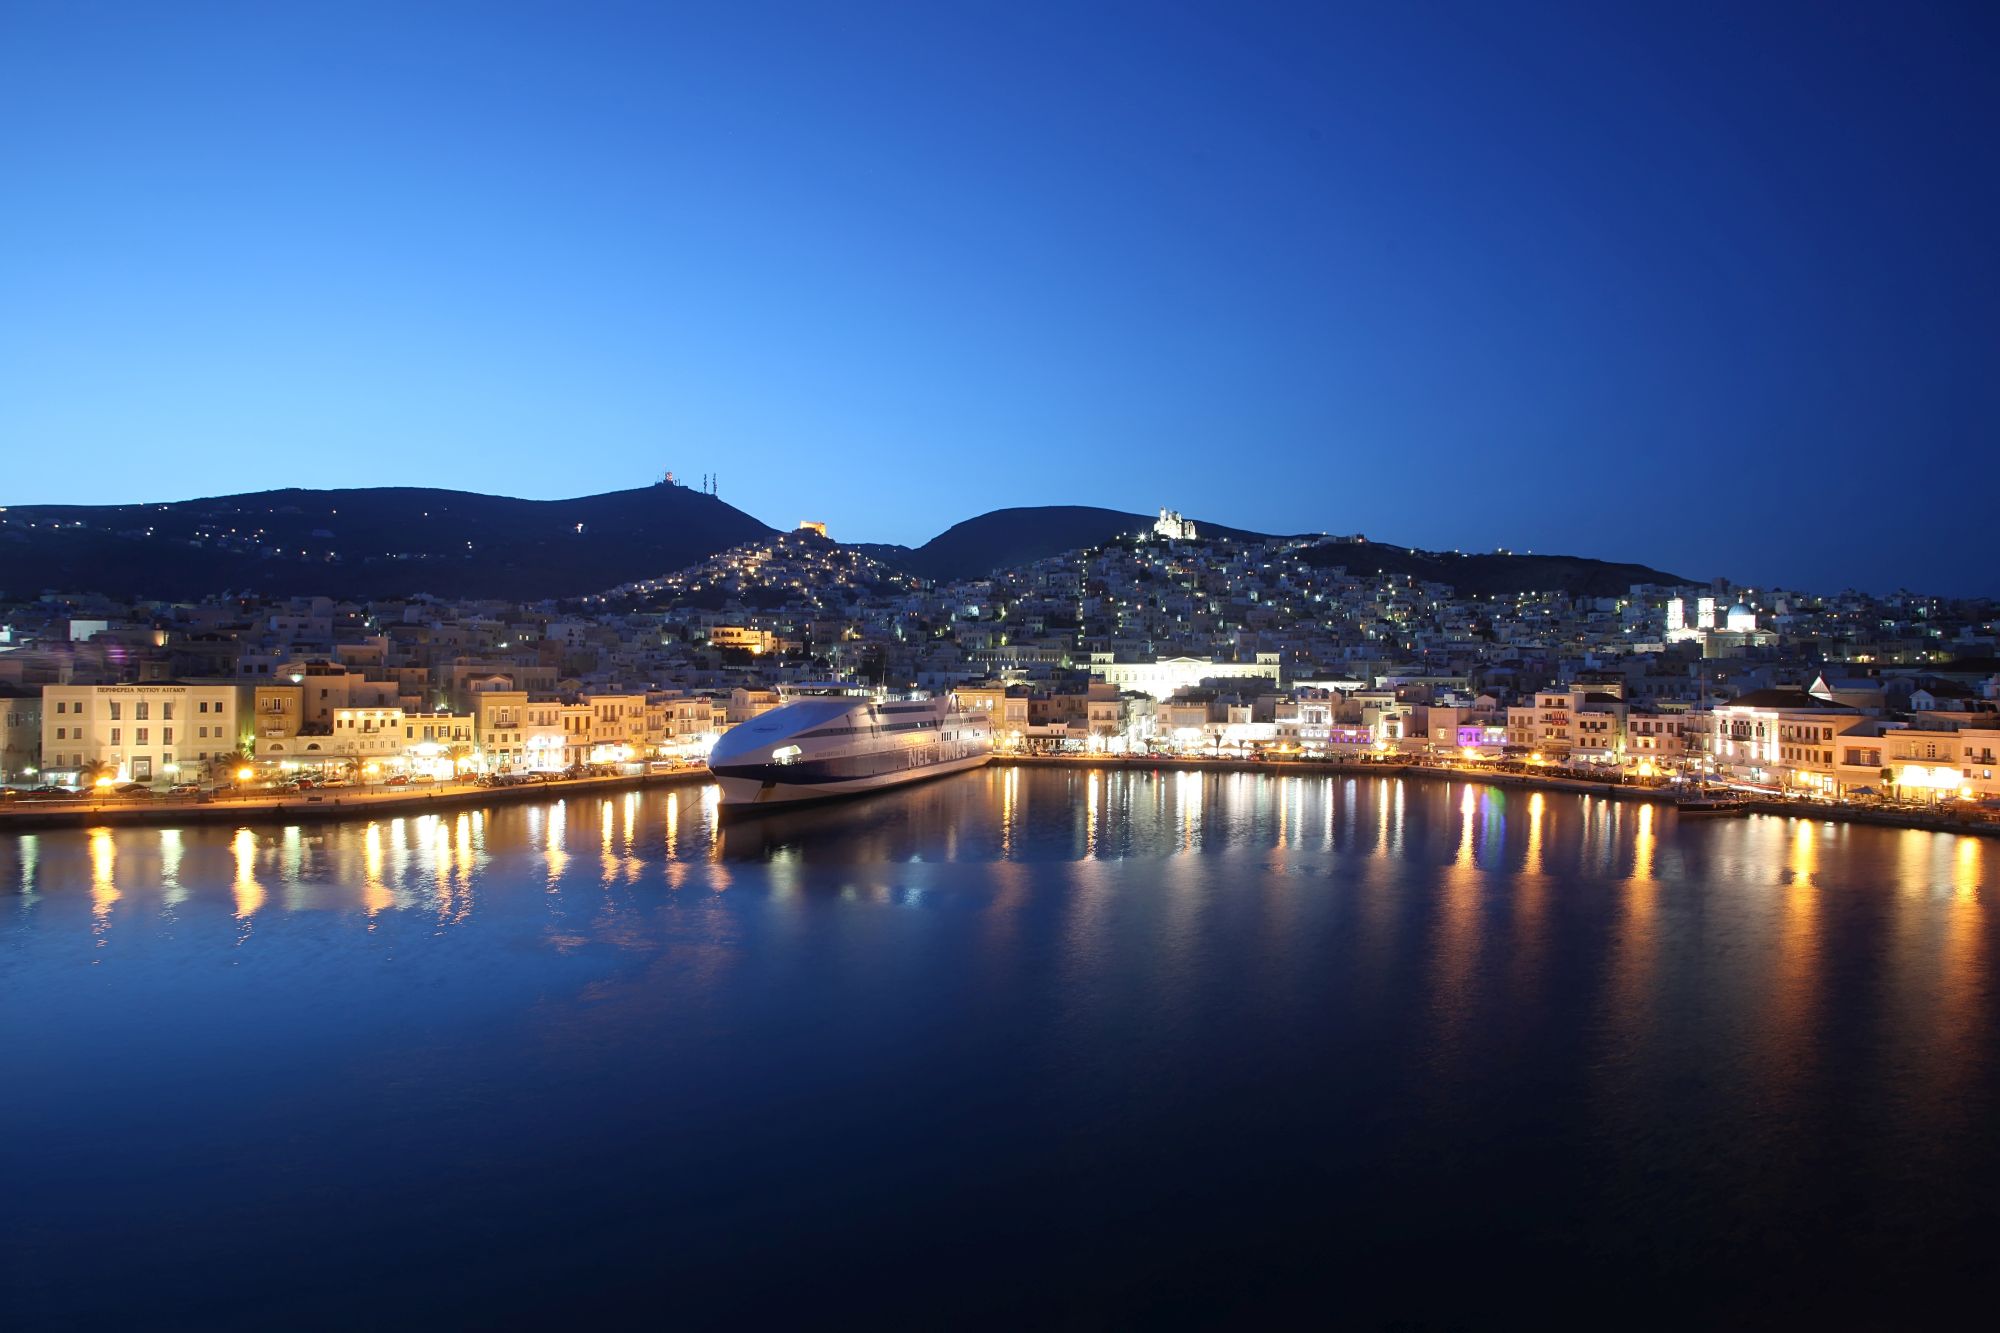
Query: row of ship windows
point(849, 731)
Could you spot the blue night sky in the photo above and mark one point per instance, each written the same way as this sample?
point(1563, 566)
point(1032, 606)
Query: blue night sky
point(1708, 286)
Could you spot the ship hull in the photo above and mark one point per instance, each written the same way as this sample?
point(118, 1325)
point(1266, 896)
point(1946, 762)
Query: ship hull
point(765, 786)
point(820, 748)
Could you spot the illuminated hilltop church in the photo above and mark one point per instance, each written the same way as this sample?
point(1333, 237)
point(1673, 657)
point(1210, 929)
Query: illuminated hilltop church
point(1736, 631)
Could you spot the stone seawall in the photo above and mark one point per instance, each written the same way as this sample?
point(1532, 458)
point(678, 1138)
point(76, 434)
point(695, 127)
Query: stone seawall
point(1824, 810)
point(334, 803)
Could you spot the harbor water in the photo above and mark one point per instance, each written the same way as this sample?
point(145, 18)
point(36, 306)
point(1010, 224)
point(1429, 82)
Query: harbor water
point(1019, 1047)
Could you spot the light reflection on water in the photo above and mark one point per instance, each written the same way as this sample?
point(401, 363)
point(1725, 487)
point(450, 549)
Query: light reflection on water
point(1499, 857)
point(1667, 1035)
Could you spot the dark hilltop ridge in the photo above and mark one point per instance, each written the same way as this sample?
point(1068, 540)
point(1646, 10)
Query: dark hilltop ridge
point(993, 541)
point(1005, 537)
point(1494, 574)
point(397, 541)
point(385, 541)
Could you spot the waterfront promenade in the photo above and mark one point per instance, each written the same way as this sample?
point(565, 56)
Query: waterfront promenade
point(1755, 802)
point(368, 802)
point(362, 802)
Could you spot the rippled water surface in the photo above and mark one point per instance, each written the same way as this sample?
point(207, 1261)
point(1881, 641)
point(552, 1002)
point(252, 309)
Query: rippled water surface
point(1020, 1047)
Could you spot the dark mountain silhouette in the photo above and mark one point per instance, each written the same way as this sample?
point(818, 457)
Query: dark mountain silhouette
point(386, 541)
point(1489, 575)
point(397, 541)
point(978, 546)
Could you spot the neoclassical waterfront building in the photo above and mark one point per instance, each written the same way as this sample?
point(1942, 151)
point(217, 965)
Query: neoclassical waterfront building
point(1170, 675)
point(142, 732)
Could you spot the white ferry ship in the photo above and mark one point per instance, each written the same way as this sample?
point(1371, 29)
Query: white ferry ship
point(825, 745)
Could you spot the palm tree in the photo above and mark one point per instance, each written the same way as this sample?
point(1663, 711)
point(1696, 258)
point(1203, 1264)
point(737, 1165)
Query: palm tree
point(227, 765)
point(94, 772)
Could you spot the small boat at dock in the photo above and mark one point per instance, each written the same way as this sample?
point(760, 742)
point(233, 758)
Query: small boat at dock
point(1711, 805)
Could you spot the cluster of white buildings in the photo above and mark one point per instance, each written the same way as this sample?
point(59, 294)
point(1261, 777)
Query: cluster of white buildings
point(1158, 640)
point(1802, 741)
